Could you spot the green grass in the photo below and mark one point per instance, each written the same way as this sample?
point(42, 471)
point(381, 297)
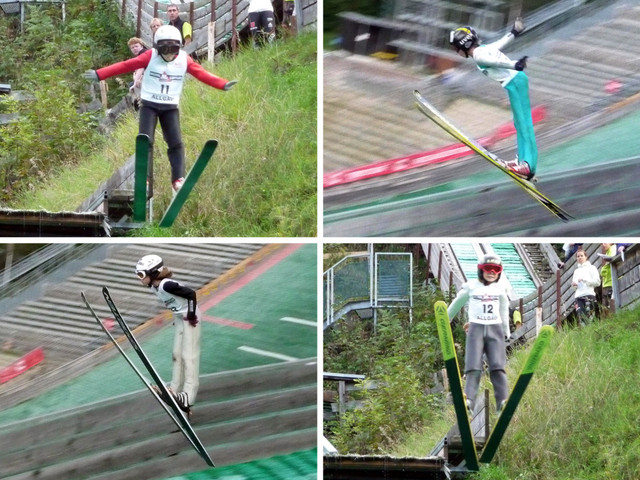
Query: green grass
point(262, 178)
point(580, 416)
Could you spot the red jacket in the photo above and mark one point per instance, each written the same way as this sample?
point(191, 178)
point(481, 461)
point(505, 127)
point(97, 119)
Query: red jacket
point(142, 60)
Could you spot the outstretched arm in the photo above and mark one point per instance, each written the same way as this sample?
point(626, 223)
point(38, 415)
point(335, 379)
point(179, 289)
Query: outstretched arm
point(210, 79)
point(131, 65)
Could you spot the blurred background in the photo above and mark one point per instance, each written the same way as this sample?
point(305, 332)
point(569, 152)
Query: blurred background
point(381, 172)
point(71, 407)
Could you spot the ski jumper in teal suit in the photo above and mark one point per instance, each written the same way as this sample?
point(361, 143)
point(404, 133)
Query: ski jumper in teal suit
point(497, 66)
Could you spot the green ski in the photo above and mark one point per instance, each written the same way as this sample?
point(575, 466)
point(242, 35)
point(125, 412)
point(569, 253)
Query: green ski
point(189, 182)
point(140, 178)
point(174, 412)
point(436, 117)
point(539, 347)
point(453, 372)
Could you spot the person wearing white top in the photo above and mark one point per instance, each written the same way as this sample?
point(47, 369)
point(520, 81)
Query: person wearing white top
point(510, 74)
point(487, 329)
point(585, 278)
point(182, 301)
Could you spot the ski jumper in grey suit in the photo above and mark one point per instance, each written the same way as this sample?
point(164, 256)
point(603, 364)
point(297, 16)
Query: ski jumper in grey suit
point(488, 328)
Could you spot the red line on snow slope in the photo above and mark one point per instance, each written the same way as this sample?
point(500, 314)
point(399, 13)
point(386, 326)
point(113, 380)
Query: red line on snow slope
point(422, 159)
point(226, 322)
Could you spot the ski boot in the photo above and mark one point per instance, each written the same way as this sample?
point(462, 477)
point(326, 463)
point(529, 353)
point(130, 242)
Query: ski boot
point(177, 185)
point(181, 399)
point(522, 170)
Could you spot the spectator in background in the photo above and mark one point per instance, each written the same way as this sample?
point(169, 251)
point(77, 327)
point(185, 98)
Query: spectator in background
point(181, 25)
point(136, 47)
point(585, 279)
point(621, 247)
point(608, 251)
point(155, 24)
point(289, 16)
point(261, 22)
point(569, 249)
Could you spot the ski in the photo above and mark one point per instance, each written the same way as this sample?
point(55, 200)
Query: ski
point(453, 372)
point(174, 411)
point(435, 116)
point(143, 144)
point(189, 182)
point(539, 347)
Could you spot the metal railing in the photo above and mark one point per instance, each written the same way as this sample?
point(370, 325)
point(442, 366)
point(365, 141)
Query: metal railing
point(368, 281)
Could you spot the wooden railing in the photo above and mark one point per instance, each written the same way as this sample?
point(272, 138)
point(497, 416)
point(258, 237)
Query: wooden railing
point(552, 300)
point(214, 22)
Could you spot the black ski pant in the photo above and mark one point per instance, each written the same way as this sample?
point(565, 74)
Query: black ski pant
point(169, 117)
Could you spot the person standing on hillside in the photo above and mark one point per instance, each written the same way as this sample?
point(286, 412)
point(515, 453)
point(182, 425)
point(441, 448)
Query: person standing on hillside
point(487, 329)
point(165, 68)
point(585, 279)
point(608, 251)
point(183, 26)
point(510, 74)
point(154, 25)
point(182, 301)
point(136, 47)
point(262, 23)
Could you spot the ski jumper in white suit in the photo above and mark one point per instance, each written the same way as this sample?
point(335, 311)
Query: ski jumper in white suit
point(488, 328)
point(497, 66)
point(181, 300)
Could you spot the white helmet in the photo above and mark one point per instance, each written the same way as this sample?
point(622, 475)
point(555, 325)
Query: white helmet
point(148, 265)
point(167, 35)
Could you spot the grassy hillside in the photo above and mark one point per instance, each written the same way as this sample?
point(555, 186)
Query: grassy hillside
point(262, 178)
point(580, 417)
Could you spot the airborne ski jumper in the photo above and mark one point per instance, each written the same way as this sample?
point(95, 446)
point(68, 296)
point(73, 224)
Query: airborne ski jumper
point(182, 301)
point(510, 74)
point(487, 329)
point(165, 68)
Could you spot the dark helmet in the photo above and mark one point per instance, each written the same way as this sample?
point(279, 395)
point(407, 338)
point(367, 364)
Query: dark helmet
point(489, 261)
point(463, 38)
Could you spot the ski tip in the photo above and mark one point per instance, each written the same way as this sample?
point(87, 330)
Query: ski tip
point(546, 330)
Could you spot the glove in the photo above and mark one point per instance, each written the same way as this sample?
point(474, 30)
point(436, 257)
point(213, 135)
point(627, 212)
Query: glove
point(192, 321)
point(91, 75)
point(521, 64)
point(518, 27)
point(229, 85)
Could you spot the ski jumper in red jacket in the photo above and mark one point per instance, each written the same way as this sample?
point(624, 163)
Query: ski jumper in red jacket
point(161, 88)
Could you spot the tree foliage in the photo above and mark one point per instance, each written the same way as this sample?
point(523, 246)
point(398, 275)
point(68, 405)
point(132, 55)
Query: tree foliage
point(401, 356)
point(46, 62)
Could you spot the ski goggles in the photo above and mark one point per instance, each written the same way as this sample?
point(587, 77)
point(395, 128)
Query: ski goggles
point(490, 268)
point(169, 49)
point(141, 274)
